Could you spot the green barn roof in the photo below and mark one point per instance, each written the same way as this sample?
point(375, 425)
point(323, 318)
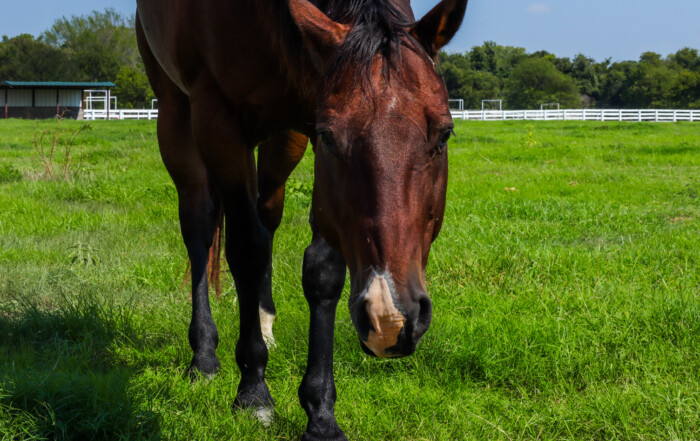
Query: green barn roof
point(53, 85)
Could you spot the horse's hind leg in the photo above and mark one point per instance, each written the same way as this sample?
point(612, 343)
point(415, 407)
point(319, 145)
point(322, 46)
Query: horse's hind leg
point(198, 221)
point(277, 158)
point(197, 209)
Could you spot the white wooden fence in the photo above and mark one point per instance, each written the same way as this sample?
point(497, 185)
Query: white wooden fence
point(121, 114)
point(638, 115)
point(653, 115)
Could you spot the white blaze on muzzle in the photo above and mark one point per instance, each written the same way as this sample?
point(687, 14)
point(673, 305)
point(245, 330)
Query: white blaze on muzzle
point(386, 320)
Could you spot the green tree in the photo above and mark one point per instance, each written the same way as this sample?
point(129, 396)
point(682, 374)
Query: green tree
point(477, 86)
point(24, 58)
point(133, 89)
point(648, 83)
point(686, 58)
point(462, 81)
point(484, 57)
point(614, 83)
point(507, 57)
point(489, 71)
point(453, 78)
point(535, 81)
point(584, 71)
point(99, 44)
point(684, 91)
point(102, 47)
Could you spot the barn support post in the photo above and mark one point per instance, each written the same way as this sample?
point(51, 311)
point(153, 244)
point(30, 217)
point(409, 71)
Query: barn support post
point(58, 112)
point(109, 102)
point(6, 109)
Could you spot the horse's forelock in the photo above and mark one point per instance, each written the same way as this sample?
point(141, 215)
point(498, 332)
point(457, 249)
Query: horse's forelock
point(378, 27)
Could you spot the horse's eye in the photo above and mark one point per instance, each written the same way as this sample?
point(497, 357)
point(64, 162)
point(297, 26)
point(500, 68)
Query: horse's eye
point(326, 139)
point(443, 143)
point(446, 137)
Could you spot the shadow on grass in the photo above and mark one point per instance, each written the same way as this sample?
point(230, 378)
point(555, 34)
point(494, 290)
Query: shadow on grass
point(58, 379)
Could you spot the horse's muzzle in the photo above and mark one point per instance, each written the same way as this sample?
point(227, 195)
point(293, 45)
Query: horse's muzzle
point(388, 324)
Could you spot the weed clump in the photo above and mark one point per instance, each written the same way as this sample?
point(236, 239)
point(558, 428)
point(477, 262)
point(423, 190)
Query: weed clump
point(10, 173)
point(48, 141)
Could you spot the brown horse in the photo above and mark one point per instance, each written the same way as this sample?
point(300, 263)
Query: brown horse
point(357, 77)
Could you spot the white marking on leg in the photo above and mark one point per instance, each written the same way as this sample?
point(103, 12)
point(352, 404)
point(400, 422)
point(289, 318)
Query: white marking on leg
point(266, 321)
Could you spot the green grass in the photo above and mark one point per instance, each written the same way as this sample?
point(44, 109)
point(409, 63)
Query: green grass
point(566, 309)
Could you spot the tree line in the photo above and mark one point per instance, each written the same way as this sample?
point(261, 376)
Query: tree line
point(527, 80)
point(102, 47)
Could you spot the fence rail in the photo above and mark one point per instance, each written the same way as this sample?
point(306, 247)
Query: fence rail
point(632, 115)
point(121, 114)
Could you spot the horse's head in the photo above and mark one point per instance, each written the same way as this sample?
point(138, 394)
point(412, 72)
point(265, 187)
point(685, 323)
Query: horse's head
point(382, 128)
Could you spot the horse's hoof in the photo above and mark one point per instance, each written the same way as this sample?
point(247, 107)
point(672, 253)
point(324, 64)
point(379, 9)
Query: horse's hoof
point(327, 430)
point(260, 404)
point(264, 415)
point(255, 396)
point(335, 436)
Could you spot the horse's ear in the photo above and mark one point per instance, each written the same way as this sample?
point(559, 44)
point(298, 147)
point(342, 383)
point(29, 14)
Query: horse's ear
point(322, 36)
point(438, 26)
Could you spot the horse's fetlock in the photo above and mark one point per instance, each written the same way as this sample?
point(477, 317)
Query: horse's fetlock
point(253, 393)
point(204, 365)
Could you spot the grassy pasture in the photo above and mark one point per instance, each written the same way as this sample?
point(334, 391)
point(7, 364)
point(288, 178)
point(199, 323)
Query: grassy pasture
point(565, 284)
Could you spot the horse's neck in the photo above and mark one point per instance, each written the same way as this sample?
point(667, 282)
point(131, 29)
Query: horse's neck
point(287, 47)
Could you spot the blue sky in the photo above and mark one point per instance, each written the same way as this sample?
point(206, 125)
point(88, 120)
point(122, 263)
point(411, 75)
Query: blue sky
point(620, 29)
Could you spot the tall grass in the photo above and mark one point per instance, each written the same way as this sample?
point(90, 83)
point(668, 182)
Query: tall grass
point(565, 285)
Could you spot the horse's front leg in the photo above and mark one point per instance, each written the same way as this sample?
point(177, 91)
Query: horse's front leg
point(323, 280)
point(230, 162)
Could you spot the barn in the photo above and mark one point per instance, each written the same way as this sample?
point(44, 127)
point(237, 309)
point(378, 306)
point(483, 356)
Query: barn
point(36, 100)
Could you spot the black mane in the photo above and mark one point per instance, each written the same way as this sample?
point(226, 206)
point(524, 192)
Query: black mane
point(378, 27)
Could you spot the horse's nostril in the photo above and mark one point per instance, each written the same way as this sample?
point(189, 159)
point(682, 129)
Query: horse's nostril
point(426, 307)
point(425, 315)
point(362, 321)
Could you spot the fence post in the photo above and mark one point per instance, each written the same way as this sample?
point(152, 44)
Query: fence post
point(675, 117)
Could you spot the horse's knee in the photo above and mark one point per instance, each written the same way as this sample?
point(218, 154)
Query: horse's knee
point(323, 272)
point(247, 251)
